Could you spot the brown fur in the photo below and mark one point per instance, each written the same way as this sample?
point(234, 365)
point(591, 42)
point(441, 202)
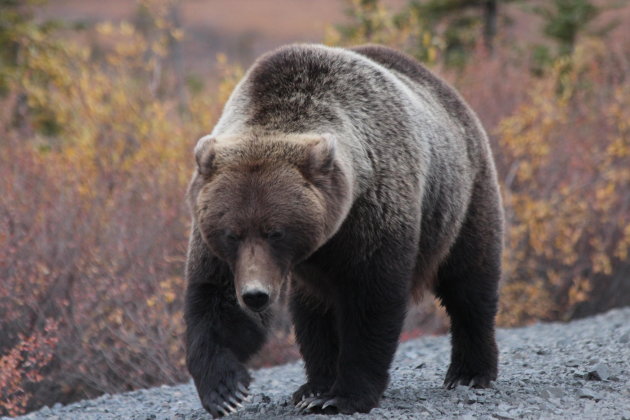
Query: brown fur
point(363, 178)
point(430, 256)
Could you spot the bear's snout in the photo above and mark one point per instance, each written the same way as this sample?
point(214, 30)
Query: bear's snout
point(256, 299)
point(257, 277)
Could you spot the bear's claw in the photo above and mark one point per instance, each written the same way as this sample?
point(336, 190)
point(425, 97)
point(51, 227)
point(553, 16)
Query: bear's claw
point(223, 402)
point(479, 381)
point(332, 403)
point(242, 388)
point(309, 390)
point(317, 404)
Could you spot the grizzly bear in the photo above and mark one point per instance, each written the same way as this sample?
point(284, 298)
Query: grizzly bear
point(360, 179)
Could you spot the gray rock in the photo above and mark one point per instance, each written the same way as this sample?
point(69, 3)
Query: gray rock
point(503, 415)
point(588, 394)
point(470, 398)
point(599, 373)
point(552, 386)
point(552, 392)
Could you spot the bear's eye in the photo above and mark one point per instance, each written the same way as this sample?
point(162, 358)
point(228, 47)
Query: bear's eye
point(231, 236)
point(275, 234)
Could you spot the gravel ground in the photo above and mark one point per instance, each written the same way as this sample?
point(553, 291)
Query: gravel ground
point(551, 371)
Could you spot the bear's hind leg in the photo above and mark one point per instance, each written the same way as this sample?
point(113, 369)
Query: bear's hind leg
point(316, 333)
point(468, 288)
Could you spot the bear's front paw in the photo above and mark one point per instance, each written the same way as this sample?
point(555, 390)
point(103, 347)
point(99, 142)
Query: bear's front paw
point(459, 375)
point(224, 386)
point(309, 390)
point(329, 403)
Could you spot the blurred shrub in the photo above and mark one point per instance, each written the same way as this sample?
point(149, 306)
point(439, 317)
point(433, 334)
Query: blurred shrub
point(567, 192)
point(23, 365)
point(371, 22)
point(564, 21)
point(94, 160)
point(433, 31)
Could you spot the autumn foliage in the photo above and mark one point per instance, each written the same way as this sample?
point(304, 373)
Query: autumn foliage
point(24, 364)
point(94, 162)
point(96, 135)
point(567, 190)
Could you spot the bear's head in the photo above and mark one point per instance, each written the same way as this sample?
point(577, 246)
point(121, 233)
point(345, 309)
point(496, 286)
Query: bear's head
point(265, 204)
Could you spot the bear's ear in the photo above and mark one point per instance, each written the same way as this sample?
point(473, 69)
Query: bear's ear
point(204, 154)
point(321, 155)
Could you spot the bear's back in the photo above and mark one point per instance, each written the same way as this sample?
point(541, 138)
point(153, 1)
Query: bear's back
point(456, 107)
point(302, 87)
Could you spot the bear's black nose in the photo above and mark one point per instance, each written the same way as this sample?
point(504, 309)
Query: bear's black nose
point(256, 300)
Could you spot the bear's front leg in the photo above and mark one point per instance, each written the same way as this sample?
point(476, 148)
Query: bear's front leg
point(220, 336)
point(316, 334)
point(370, 308)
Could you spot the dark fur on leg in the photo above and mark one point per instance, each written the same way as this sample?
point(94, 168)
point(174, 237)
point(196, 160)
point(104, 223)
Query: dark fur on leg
point(220, 336)
point(468, 288)
point(370, 306)
point(316, 334)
